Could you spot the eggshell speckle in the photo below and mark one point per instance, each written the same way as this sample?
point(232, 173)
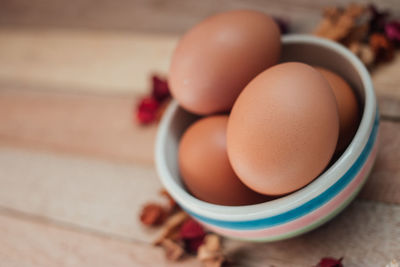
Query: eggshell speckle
point(205, 168)
point(216, 59)
point(349, 112)
point(283, 129)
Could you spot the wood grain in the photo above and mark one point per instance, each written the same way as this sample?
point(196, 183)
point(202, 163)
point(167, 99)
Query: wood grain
point(157, 15)
point(365, 234)
point(384, 181)
point(33, 243)
point(88, 61)
point(112, 63)
point(103, 127)
point(96, 126)
point(99, 195)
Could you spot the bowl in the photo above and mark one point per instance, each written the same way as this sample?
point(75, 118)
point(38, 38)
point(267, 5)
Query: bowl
point(307, 208)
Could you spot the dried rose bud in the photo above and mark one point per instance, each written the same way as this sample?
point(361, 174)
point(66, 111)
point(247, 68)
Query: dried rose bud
point(147, 110)
point(160, 90)
point(192, 233)
point(153, 214)
point(392, 31)
point(191, 229)
point(330, 262)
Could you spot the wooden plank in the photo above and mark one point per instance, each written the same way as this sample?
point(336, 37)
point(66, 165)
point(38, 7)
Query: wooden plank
point(384, 182)
point(60, 187)
point(89, 61)
point(106, 197)
point(102, 127)
point(156, 16)
point(114, 63)
point(97, 126)
point(365, 234)
point(33, 243)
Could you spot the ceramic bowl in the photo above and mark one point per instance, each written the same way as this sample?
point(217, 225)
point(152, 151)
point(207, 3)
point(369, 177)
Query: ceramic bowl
point(307, 208)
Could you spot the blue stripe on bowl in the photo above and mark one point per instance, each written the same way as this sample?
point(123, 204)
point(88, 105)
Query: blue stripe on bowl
point(307, 207)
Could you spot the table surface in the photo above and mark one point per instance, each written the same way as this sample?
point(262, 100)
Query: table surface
point(75, 169)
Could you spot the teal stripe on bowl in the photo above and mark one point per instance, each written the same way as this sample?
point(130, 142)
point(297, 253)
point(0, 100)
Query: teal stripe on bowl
point(307, 207)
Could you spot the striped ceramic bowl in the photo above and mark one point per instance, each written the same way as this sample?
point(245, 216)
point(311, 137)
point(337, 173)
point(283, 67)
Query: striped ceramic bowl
point(304, 209)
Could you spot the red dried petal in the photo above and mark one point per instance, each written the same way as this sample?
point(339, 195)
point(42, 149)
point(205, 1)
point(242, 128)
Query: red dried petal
point(392, 30)
point(160, 89)
point(191, 229)
point(330, 262)
point(147, 110)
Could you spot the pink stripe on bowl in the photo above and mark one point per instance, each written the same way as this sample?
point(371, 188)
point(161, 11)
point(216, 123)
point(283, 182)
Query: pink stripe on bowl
point(308, 219)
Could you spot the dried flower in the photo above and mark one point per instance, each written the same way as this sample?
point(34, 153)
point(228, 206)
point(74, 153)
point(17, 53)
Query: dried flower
point(191, 229)
point(392, 31)
point(364, 52)
point(147, 110)
point(192, 233)
point(153, 214)
point(210, 253)
point(330, 262)
point(382, 47)
point(173, 250)
point(393, 263)
point(171, 228)
point(160, 90)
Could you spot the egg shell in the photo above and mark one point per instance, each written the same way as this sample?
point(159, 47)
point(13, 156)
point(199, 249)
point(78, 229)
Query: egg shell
point(349, 111)
point(216, 59)
point(205, 168)
point(283, 129)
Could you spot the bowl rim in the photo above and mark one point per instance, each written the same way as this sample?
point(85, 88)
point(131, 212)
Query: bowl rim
point(292, 200)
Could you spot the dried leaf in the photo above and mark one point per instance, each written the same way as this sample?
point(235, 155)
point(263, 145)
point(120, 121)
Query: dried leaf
point(153, 214)
point(355, 10)
point(382, 47)
point(210, 253)
point(173, 250)
point(171, 226)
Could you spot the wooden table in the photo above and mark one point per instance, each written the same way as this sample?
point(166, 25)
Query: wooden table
point(75, 169)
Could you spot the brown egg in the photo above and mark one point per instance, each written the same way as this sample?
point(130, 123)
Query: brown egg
point(349, 112)
point(283, 129)
point(205, 167)
point(216, 59)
